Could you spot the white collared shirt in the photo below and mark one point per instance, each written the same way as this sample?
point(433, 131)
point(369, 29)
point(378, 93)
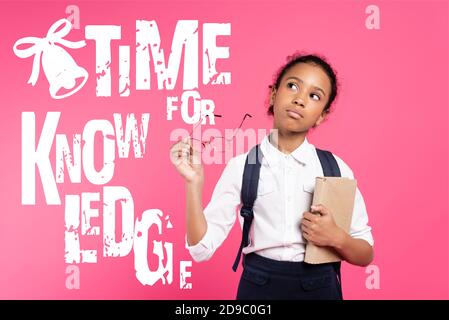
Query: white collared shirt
point(285, 190)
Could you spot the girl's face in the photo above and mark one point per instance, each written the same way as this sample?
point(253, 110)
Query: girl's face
point(300, 99)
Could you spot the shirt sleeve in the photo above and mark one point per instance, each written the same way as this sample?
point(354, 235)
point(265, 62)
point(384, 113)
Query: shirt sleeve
point(220, 213)
point(359, 228)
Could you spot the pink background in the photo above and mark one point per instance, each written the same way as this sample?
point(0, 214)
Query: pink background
point(390, 124)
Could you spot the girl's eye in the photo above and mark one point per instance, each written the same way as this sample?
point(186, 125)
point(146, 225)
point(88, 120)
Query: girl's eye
point(292, 85)
point(316, 97)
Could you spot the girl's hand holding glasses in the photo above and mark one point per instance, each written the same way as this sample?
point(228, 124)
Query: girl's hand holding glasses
point(187, 160)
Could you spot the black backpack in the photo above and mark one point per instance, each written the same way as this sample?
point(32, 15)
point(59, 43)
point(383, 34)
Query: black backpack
point(250, 183)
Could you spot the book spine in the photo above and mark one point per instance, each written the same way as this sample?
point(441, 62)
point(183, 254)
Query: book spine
point(319, 191)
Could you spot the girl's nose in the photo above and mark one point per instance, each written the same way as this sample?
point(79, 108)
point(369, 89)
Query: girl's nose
point(298, 100)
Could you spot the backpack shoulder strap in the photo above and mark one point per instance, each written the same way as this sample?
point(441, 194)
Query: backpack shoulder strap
point(328, 163)
point(248, 195)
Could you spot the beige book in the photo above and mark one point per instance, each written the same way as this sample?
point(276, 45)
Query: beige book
point(337, 194)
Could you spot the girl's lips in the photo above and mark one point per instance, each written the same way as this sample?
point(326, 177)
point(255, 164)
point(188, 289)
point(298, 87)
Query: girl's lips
point(294, 114)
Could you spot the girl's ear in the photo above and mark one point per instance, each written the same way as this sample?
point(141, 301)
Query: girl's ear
point(272, 96)
point(321, 118)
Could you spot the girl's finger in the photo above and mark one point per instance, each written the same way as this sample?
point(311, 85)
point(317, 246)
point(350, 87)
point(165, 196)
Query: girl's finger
point(306, 223)
point(319, 208)
point(310, 216)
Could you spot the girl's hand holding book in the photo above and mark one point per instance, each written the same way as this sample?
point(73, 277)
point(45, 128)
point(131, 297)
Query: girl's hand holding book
point(319, 227)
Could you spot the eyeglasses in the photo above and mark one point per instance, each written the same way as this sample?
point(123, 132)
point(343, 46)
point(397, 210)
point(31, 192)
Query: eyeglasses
point(213, 139)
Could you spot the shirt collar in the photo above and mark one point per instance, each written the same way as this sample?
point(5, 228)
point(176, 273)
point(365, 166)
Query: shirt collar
point(272, 155)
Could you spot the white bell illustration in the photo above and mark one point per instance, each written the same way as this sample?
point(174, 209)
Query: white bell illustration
point(63, 74)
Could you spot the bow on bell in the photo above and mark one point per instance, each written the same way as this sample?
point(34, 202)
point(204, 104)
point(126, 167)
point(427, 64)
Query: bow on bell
point(39, 45)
